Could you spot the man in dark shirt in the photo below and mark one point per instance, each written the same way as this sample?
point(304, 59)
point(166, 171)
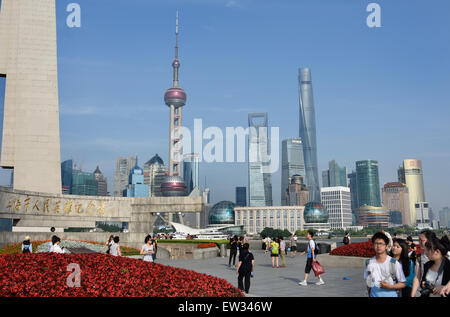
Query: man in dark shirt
point(245, 268)
point(233, 251)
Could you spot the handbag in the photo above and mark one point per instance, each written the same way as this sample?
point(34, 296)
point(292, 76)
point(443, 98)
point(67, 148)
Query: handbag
point(317, 268)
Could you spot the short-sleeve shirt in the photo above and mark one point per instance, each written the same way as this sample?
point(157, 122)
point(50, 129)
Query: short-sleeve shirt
point(146, 248)
point(375, 272)
point(246, 258)
point(275, 247)
point(311, 246)
point(113, 249)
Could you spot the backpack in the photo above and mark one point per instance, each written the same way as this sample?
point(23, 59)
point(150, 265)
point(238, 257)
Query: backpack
point(316, 248)
point(345, 241)
point(392, 270)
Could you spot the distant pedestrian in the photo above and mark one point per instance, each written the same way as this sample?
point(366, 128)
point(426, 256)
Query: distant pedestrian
point(400, 253)
point(155, 247)
point(411, 247)
point(263, 244)
point(311, 251)
point(245, 268)
point(27, 247)
point(384, 275)
point(147, 249)
point(233, 251)
point(115, 247)
point(293, 245)
point(282, 251)
point(268, 242)
point(240, 244)
point(50, 244)
point(108, 244)
point(56, 248)
point(275, 246)
point(347, 239)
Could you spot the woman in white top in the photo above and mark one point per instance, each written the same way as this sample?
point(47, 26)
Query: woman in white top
point(115, 247)
point(55, 247)
point(148, 249)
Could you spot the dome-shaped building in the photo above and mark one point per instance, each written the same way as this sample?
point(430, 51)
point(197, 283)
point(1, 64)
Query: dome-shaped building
point(315, 213)
point(222, 213)
point(173, 186)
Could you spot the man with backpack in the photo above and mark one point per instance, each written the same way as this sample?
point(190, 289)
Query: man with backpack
point(245, 268)
point(312, 250)
point(384, 275)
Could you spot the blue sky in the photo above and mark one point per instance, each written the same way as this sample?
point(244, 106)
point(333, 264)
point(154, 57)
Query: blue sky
point(380, 93)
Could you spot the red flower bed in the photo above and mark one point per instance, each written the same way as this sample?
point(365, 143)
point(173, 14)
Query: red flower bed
point(206, 245)
point(45, 274)
point(360, 249)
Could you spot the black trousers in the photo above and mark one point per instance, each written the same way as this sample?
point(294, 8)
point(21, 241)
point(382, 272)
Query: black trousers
point(232, 255)
point(241, 277)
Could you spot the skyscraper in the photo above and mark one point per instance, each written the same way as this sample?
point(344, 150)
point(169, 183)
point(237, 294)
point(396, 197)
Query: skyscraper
point(84, 183)
point(444, 217)
point(352, 183)
point(136, 186)
point(190, 171)
point(368, 183)
point(396, 198)
point(297, 193)
point(259, 178)
point(66, 176)
point(123, 167)
point(102, 182)
point(154, 175)
point(308, 133)
point(241, 196)
point(292, 163)
point(335, 176)
point(414, 181)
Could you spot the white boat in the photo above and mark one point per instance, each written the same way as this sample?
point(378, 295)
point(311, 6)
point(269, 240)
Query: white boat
point(182, 231)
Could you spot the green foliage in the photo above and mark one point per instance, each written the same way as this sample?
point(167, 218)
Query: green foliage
point(108, 228)
point(274, 233)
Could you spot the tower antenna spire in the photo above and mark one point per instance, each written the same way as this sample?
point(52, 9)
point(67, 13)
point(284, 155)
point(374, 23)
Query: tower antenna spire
point(176, 62)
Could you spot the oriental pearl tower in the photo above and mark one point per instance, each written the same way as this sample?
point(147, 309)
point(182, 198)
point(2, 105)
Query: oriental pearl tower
point(175, 99)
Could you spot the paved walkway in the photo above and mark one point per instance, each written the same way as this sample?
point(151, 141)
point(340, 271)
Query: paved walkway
point(283, 281)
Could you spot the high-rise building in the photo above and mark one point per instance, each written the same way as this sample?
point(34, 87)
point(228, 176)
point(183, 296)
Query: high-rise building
point(66, 176)
point(444, 217)
point(401, 174)
point(293, 163)
point(84, 183)
point(259, 177)
point(422, 211)
point(190, 171)
point(396, 198)
point(308, 133)
point(326, 178)
point(353, 185)
point(335, 175)
point(337, 201)
point(154, 175)
point(102, 182)
point(297, 193)
point(136, 186)
point(368, 183)
point(414, 181)
point(370, 216)
point(122, 173)
point(241, 196)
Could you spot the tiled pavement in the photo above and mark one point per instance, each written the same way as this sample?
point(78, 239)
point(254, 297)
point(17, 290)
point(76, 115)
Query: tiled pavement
point(283, 282)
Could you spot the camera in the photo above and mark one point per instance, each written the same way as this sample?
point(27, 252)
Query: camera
point(427, 289)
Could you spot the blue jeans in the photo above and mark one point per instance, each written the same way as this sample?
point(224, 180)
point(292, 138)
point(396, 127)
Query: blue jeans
point(382, 292)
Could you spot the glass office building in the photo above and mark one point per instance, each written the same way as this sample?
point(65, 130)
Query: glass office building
point(66, 176)
point(84, 183)
point(335, 176)
point(293, 163)
point(190, 171)
point(241, 196)
point(368, 183)
point(259, 178)
point(308, 133)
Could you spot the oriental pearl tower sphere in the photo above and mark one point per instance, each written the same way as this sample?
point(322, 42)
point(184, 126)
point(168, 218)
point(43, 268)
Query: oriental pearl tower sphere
point(175, 99)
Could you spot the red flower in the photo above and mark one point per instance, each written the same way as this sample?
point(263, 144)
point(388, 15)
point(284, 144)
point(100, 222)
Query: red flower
point(45, 274)
point(361, 249)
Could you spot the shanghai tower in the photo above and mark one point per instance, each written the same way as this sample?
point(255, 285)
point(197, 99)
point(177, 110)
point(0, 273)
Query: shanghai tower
point(308, 133)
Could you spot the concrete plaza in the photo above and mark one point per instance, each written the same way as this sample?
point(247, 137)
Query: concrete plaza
point(282, 282)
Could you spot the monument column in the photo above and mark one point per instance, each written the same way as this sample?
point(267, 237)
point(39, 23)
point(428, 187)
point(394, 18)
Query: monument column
point(28, 59)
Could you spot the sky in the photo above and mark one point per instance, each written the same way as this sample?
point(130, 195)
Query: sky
point(380, 93)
